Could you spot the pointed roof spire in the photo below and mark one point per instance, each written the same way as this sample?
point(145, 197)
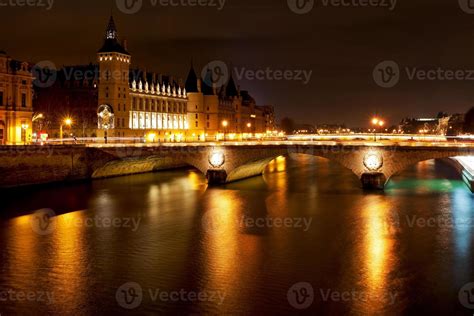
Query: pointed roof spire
point(231, 89)
point(111, 32)
point(111, 43)
point(191, 84)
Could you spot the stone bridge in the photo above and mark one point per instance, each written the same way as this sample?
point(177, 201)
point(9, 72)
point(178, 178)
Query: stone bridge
point(373, 165)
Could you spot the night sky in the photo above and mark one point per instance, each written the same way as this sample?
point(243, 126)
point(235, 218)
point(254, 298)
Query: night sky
point(340, 45)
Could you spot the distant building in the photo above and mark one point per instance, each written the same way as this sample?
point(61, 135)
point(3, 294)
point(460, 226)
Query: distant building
point(302, 129)
point(450, 125)
point(332, 129)
point(16, 94)
point(226, 110)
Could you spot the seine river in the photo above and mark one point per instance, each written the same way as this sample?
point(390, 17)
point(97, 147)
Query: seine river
point(304, 238)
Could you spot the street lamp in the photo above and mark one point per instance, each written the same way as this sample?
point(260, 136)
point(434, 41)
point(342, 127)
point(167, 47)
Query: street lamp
point(378, 123)
point(24, 128)
point(37, 117)
point(225, 124)
point(249, 126)
point(66, 121)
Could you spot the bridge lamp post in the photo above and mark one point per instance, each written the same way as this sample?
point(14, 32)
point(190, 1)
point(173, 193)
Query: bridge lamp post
point(25, 129)
point(249, 126)
point(67, 122)
point(225, 124)
point(378, 123)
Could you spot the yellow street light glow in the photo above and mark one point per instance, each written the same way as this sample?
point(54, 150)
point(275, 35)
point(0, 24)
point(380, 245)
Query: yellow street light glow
point(375, 121)
point(68, 121)
point(151, 137)
point(381, 123)
point(225, 123)
point(249, 125)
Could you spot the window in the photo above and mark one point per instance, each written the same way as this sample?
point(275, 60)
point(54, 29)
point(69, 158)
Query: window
point(208, 116)
point(197, 116)
point(208, 125)
point(1, 98)
point(23, 100)
point(197, 124)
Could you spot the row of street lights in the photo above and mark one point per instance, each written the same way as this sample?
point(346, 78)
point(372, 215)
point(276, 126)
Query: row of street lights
point(64, 122)
point(225, 124)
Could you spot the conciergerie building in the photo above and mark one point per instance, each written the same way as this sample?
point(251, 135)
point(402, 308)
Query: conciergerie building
point(159, 107)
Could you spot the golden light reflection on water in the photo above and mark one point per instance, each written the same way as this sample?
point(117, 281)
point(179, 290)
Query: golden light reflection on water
point(377, 254)
point(226, 246)
point(68, 260)
point(275, 168)
point(277, 165)
point(23, 253)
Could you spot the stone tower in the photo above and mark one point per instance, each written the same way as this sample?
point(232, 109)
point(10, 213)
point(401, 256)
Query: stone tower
point(114, 65)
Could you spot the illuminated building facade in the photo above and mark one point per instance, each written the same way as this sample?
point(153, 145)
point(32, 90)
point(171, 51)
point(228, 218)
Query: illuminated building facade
point(16, 94)
point(142, 104)
point(225, 112)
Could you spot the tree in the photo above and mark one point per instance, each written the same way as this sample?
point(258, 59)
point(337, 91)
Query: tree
point(287, 125)
point(469, 122)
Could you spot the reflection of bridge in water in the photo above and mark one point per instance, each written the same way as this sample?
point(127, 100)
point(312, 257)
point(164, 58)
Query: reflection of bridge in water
point(373, 163)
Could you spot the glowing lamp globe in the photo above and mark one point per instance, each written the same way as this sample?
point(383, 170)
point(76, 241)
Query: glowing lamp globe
point(373, 161)
point(217, 159)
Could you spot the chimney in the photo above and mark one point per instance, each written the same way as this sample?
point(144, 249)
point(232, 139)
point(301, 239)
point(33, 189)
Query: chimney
point(125, 44)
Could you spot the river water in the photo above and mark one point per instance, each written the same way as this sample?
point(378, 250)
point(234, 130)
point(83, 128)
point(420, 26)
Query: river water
point(304, 238)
